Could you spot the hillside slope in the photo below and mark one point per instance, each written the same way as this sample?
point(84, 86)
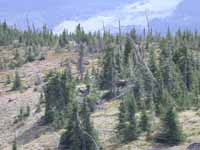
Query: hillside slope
point(32, 134)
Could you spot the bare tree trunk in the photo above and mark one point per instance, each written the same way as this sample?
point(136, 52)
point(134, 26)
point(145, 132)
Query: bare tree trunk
point(81, 61)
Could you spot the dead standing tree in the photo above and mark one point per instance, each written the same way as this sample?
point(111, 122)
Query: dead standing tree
point(81, 67)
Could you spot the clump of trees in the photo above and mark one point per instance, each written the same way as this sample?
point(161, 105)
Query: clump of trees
point(160, 71)
point(63, 109)
point(59, 92)
point(79, 133)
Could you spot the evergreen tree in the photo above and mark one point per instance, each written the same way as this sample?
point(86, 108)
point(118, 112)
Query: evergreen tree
point(166, 65)
point(152, 63)
point(79, 133)
point(59, 92)
point(171, 132)
point(63, 39)
point(183, 58)
point(72, 138)
point(17, 82)
point(8, 80)
point(108, 75)
point(122, 121)
point(30, 55)
point(14, 146)
point(127, 51)
point(89, 135)
point(127, 126)
point(133, 34)
point(171, 80)
point(18, 61)
point(148, 87)
point(131, 131)
point(144, 122)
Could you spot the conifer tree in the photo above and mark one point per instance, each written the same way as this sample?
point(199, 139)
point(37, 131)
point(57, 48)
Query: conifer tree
point(108, 74)
point(127, 126)
point(63, 39)
point(18, 59)
point(72, 138)
point(131, 131)
point(144, 122)
point(171, 80)
point(59, 92)
point(29, 55)
point(166, 64)
point(183, 58)
point(133, 34)
point(152, 62)
point(14, 146)
point(148, 87)
point(79, 133)
point(171, 132)
point(17, 82)
point(89, 136)
point(8, 80)
point(127, 51)
point(122, 121)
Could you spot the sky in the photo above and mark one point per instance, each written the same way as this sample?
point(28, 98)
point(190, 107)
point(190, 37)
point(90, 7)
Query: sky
point(91, 14)
point(132, 13)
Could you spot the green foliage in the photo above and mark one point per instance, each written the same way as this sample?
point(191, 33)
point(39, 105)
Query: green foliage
point(87, 127)
point(127, 51)
point(127, 126)
point(17, 85)
point(184, 59)
point(132, 122)
point(144, 122)
point(63, 39)
point(59, 92)
point(153, 66)
point(79, 133)
point(8, 80)
point(26, 43)
point(71, 139)
point(14, 145)
point(171, 132)
point(93, 99)
point(165, 71)
point(107, 76)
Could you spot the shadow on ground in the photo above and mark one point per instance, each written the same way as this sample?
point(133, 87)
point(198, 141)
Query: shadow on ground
point(39, 128)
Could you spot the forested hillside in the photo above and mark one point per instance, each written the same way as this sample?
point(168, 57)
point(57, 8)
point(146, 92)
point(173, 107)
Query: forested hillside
point(92, 91)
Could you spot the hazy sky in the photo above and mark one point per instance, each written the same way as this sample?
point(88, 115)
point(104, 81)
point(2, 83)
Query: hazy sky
point(60, 14)
point(51, 10)
point(132, 13)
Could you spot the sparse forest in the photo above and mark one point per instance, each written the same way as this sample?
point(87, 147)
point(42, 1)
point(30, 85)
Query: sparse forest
point(153, 78)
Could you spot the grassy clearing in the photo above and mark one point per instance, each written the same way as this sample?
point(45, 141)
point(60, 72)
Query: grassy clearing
point(105, 121)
